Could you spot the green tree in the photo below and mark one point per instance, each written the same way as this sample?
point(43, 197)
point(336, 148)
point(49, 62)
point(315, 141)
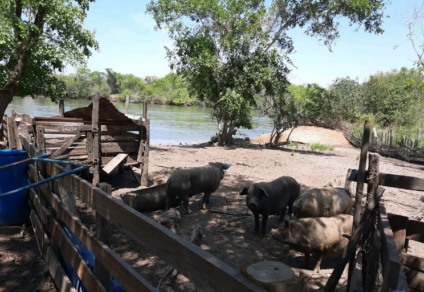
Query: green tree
point(284, 113)
point(131, 86)
point(85, 84)
point(229, 51)
point(38, 39)
point(173, 89)
point(395, 98)
point(222, 53)
point(347, 98)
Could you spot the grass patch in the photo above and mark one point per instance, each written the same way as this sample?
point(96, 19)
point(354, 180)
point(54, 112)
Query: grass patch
point(321, 147)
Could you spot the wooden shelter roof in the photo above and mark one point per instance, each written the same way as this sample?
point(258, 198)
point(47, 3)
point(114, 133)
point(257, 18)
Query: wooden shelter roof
point(107, 113)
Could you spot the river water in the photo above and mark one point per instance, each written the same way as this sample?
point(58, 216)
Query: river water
point(169, 125)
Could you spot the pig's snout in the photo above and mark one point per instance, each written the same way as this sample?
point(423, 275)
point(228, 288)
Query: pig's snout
point(275, 232)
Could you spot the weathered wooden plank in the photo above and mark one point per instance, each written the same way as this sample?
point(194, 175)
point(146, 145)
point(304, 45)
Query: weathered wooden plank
point(114, 163)
point(97, 159)
point(116, 129)
point(122, 137)
point(63, 129)
point(372, 259)
point(143, 154)
point(40, 211)
point(39, 232)
point(61, 108)
point(394, 181)
point(415, 230)
point(204, 269)
point(59, 276)
point(401, 182)
point(11, 139)
point(361, 175)
point(399, 225)
point(103, 229)
point(119, 147)
point(393, 277)
point(58, 119)
point(121, 270)
point(16, 130)
point(415, 279)
point(40, 139)
point(131, 159)
point(413, 261)
point(64, 245)
point(359, 190)
point(65, 146)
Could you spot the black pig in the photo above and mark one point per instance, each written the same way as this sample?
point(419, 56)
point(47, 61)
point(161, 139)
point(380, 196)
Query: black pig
point(269, 198)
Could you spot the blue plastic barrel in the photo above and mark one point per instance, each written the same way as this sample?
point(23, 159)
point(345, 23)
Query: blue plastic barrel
point(14, 209)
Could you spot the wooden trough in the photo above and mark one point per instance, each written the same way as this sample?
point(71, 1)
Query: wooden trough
point(148, 199)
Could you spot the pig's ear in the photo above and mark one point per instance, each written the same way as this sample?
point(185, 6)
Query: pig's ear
point(263, 192)
point(243, 191)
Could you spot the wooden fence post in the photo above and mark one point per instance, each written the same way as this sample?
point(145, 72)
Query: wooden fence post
point(359, 189)
point(371, 262)
point(96, 140)
point(103, 230)
point(61, 108)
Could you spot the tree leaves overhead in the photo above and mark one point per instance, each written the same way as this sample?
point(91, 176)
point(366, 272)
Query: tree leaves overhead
point(37, 39)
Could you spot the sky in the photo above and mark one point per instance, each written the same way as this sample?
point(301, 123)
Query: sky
point(129, 44)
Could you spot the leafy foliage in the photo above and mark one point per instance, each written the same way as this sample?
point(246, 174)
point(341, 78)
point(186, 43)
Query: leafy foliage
point(37, 39)
point(85, 84)
point(222, 50)
point(394, 98)
point(230, 51)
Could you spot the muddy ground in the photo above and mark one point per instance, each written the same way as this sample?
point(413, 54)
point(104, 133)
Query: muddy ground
point(227, 224)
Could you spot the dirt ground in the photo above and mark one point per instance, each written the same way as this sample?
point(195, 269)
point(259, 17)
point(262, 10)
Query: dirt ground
point(227, 224)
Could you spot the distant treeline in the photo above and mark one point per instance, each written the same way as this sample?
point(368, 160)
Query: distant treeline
point(165, 90)
point(390, 100)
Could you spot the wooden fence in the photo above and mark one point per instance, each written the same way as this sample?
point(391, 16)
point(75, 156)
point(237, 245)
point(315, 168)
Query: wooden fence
point(49, 215)
point(379, 241)
point(383, 143)
point(126, 142)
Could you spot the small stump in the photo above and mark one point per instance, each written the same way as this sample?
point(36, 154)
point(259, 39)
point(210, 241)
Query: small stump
point(274, 276)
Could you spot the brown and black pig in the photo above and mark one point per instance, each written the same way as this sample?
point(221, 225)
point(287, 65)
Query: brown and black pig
point(317, 237)
point(322, 202)
point(269, 198)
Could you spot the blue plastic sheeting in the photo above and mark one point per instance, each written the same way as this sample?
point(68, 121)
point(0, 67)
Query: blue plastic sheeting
point(14, 209)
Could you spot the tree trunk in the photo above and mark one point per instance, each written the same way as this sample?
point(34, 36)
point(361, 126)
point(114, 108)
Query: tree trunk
point(6, 96)
point(291, 131)
point(226, 134)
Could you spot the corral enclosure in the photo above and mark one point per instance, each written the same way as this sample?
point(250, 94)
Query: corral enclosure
point(227, 222)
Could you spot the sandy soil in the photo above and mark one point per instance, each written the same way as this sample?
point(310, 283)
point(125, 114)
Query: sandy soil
point(227, 224)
